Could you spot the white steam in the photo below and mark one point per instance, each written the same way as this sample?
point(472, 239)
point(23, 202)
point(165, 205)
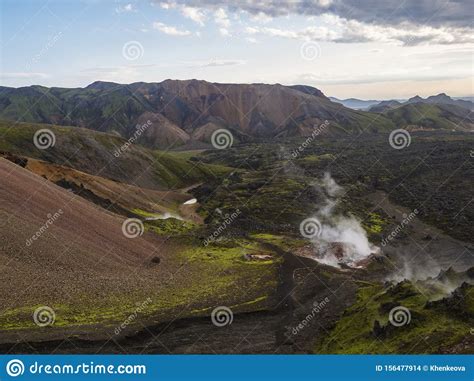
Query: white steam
point(342, 238)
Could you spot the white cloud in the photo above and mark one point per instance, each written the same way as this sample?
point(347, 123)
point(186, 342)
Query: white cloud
point(215, 63)
point(125, 8)
point(455, 13)
point(261, 18)
point(224, 32)
point(195, 14)
point(415, 73)
point(168, 5)
point(170, 30)
point(251, 40)
point(221, 18)
point(23, 75)
point(350, 31)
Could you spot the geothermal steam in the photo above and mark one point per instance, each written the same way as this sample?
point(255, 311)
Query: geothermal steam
point(343, 235)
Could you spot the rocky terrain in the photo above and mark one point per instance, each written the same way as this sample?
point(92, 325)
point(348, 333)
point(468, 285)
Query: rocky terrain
point(223, 228)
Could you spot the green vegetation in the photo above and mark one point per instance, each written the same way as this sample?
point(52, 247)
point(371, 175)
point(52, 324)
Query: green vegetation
point(93, 152)
point(365, 326)
point(430, 116)
point(215, 275)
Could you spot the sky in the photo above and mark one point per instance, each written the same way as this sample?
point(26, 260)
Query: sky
point(366, 49)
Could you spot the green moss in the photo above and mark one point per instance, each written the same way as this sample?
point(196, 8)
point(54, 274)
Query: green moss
point(428, 328)
point(375, 223)
point(170, 226)
point(283, 242)
point(215, 275)
point(310, 159)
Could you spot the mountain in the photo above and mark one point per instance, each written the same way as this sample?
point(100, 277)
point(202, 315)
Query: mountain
point(431, 116)
point(440, 99)
point(180, 112)
point(384, 105)
point(354, 103)
point(470, 99)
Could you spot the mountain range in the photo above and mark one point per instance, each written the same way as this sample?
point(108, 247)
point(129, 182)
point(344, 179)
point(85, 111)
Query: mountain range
point(377, 105)
point(185, 113)
point(356, 104)
point(442, 99)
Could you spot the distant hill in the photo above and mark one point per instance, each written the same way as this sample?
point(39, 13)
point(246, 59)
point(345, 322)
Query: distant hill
point(431, 116)
point(181, 112)
point(354, 103)
point(440, 99)
point(384, 105)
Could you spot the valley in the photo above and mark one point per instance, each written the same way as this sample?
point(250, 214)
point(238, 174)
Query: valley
point(166, 282)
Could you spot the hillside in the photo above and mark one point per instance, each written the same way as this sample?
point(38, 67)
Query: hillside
point(82, 266)
point(177, 109)
point(431, 116)
point(94, 153)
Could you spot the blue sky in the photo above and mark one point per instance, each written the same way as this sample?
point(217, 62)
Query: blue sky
point(345, 51)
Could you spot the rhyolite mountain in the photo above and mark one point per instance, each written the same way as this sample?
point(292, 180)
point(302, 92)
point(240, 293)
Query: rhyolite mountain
point(434, 112)
point(187, 111)
point(431, 116)
point(440, 99)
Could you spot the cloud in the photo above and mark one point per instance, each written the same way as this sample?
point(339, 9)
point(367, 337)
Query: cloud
point(406, 22)
point(221, 18)
point(402, 74)
point(455, 13)
point(23, 75)
point(261, 17)
point(167, 4)
point(215, 63)
point(125, 8)
point(351, 31)
point(195, 14)
point(170, 30)
point(224, 32)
